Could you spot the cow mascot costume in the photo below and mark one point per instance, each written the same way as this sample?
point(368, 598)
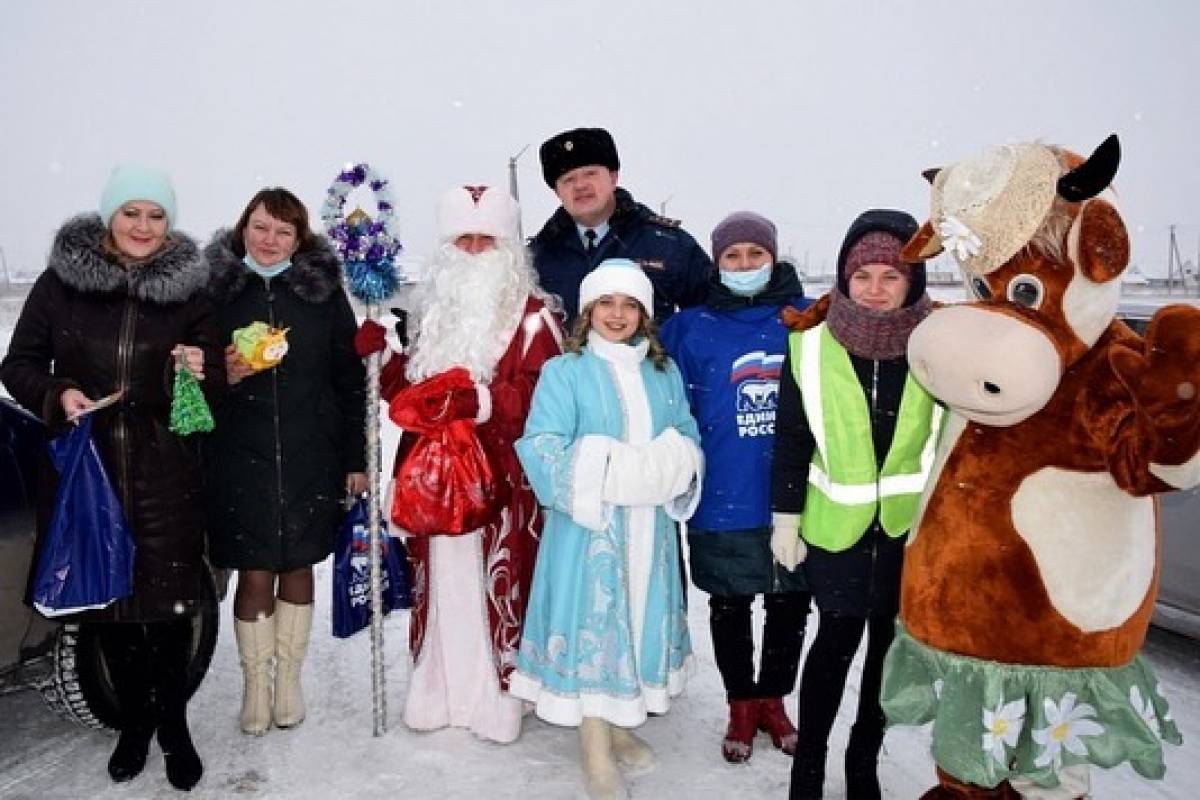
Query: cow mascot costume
point(1032, 570)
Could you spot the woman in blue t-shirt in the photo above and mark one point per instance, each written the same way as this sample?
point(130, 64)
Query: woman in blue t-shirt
point(730, 351)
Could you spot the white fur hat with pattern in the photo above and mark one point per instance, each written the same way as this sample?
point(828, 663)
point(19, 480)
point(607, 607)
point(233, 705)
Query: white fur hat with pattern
point(484, 210)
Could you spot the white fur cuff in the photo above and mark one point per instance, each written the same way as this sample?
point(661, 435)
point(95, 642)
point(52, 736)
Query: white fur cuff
point(681, 507)
point(588, 508)
point(484, 395)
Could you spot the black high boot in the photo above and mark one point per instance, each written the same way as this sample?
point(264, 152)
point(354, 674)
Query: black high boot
point(862, 760)
point(170, 646)
point(808, 772)
point(821, 688)
point(866, 736)
point(124, 648)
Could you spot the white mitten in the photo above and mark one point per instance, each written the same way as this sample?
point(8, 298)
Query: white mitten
point(786, 545)
point(680, 458)
point(650, 474)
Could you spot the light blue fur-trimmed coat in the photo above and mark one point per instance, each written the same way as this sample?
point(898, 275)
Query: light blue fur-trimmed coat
point(611, 450)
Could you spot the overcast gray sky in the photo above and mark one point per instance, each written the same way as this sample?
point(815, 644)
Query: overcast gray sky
point(807, 112)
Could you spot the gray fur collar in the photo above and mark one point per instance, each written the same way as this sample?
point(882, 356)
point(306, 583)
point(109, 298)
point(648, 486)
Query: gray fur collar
point(79, 260)
point(314, 276)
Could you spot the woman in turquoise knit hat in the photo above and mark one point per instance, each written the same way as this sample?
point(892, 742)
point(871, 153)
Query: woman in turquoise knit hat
point(117, 309)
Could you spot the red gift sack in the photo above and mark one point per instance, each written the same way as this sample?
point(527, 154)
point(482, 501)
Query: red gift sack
point(445, 484)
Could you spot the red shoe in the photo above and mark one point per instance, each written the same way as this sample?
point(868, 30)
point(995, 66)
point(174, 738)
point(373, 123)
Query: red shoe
point(739, 736)
point(773, 719)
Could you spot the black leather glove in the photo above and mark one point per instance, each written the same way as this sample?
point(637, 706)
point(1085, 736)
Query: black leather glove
point(401, 325)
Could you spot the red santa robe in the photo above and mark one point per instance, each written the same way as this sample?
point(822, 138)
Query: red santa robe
point(460, 664)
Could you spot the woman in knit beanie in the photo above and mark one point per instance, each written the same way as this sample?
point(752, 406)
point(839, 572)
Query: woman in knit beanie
point(846, 477)
point(119, 306)
point(729, 351)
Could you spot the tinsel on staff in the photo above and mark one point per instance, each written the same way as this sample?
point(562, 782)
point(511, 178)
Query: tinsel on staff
point(367, 249)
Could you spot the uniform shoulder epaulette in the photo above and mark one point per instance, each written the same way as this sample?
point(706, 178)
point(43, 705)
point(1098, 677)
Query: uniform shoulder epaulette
point(666, 222)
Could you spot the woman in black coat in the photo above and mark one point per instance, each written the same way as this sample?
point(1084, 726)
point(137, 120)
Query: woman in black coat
point(118, 306)
point(289, 440)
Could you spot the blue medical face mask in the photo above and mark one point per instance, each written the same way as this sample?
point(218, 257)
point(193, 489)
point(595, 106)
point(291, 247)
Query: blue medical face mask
point(266, 272)
point(747, 282)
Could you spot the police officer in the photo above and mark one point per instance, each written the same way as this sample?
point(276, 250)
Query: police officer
point(599, 220)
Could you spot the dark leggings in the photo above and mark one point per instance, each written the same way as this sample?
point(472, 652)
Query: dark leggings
point(824, 681)
point(733, 643)
point(148, 665)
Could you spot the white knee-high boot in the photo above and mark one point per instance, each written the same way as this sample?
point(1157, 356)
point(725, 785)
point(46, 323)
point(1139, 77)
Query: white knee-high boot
point(292, 626)
point(601, 778)
point(256, 648)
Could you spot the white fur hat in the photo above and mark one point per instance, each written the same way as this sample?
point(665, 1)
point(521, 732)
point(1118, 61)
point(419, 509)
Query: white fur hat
point(478, 209)
point(617, 275)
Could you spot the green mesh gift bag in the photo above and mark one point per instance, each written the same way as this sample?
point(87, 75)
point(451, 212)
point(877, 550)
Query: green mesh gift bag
point(189, 411)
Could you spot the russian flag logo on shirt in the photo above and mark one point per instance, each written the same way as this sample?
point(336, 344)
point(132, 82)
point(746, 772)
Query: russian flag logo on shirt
point(756, 366)
point(756, 376)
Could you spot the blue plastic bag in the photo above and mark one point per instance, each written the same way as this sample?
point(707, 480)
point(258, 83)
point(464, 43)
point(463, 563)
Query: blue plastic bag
point(352, 573)
point(86, 558)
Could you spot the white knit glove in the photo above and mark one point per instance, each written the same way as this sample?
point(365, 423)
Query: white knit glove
point(786, 545)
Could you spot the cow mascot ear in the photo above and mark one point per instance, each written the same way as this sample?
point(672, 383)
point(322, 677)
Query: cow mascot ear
point(924, 245)
point(1098, 242)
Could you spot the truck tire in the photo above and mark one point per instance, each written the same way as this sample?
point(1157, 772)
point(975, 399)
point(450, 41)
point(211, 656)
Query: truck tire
point(80, 688)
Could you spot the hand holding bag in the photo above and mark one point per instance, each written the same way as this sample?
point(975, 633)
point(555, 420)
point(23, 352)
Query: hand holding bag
point(352, 573)
point(446, 483)
point(189, 410)
point(86, 556)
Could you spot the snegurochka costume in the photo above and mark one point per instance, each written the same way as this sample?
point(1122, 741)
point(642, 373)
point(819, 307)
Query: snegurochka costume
point(606, 630)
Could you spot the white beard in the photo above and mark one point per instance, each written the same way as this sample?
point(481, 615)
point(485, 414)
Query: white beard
point(469, 307)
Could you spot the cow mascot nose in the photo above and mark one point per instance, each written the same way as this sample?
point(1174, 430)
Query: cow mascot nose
point(990, 368)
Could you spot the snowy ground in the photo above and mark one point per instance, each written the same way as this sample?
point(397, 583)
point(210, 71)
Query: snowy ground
point(333, 754)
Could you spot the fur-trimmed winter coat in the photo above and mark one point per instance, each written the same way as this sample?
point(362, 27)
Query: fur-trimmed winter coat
point(92, 324)
point(275, 467)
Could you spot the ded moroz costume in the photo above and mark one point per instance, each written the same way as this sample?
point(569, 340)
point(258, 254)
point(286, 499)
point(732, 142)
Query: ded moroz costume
point(483, 313)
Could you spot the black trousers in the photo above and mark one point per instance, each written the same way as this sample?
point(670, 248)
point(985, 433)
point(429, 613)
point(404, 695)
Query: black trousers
point(824, 682)
point(733, 643)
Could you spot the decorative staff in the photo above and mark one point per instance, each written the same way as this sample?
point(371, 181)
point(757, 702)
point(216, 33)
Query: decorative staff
point(367, 249)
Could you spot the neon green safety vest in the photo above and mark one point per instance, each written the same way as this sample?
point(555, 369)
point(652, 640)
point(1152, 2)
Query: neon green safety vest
point(845, 485)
